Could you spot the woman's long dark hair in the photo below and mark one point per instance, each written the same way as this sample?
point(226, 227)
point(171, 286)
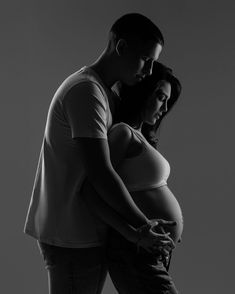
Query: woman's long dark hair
point(133, 100)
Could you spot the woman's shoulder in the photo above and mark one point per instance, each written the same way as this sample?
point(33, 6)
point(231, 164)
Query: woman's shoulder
point(121, 129)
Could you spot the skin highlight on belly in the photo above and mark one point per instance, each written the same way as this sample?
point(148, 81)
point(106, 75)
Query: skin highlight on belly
point(160, 203)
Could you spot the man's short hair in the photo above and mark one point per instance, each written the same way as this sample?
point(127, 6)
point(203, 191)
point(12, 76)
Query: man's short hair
point(135, 25)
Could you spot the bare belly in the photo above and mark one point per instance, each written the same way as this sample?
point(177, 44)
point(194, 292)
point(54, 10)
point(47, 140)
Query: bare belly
point(161, 203)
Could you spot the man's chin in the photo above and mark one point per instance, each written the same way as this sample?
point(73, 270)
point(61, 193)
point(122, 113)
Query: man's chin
point(131, 83)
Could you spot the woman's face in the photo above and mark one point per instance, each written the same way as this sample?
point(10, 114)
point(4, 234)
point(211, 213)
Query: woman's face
point(157, 103)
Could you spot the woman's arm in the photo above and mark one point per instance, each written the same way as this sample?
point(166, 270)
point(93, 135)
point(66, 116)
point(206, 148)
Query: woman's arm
point(119, 140)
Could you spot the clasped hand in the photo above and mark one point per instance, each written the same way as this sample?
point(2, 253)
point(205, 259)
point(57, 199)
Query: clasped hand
point(153, 241)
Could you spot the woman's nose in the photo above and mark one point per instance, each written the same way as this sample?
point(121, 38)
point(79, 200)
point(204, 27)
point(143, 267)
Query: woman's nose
point(165, 107)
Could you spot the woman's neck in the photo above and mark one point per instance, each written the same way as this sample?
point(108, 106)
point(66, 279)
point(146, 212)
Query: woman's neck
point(137, 126)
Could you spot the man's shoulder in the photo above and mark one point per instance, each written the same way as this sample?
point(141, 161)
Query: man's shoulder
point(80, 82)
point(82, 78)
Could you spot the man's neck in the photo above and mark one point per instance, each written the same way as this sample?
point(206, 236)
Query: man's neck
point(104, 66)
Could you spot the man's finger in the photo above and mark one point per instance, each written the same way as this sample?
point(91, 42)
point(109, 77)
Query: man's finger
point(171, 244)
point(166, 222)
point(164, 236)
point(166, 239)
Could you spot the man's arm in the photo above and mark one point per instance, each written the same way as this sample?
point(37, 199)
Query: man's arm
point(86, 110)
point(108, 215)
point(146, 237)
point(119, 140)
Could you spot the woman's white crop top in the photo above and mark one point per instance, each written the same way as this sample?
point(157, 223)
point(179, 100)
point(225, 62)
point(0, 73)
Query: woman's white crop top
point(145, 171)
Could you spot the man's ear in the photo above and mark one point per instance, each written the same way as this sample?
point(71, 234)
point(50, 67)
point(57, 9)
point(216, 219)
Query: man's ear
point(121, 47)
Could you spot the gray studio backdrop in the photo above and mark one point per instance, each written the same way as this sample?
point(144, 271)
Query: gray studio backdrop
point(44, 41)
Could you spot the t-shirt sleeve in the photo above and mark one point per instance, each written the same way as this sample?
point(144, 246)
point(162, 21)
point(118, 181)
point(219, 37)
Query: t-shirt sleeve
point(86, 110)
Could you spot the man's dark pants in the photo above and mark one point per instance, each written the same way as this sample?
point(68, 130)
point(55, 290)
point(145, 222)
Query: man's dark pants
point(74, 270)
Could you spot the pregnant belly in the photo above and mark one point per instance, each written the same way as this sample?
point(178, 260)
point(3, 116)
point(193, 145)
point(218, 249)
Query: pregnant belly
point(161, 203)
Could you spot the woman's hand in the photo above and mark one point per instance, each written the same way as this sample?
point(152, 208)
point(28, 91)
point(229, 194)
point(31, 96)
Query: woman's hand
point(151, 240)
point(161, 226)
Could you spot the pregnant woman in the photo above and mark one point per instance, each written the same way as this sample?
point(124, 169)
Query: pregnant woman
point(145, 172)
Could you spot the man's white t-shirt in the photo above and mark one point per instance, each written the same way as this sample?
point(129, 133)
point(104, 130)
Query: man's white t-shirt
point(57, 214)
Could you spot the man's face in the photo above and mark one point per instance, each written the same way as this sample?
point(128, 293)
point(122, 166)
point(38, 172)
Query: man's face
point(138, 60)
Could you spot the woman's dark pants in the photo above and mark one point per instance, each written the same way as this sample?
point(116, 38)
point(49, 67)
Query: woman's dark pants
point(136, 271)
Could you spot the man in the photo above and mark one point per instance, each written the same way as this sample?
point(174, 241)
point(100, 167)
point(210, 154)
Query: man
point(75, 147)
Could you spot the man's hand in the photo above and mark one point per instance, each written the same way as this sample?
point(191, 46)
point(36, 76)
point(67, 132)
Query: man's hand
point(160, 227)
point(152, 241)
point(161, 223)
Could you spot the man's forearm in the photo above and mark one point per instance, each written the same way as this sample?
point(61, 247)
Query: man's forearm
point(112, 190)
point(98, 168)
point(107, 214)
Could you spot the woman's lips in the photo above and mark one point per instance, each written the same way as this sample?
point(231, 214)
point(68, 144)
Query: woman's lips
point(157, 115)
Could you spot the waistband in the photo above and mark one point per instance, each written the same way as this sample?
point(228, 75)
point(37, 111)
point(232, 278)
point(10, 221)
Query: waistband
point(145, 187)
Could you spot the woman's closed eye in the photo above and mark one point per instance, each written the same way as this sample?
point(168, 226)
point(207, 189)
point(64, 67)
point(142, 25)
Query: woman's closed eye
point(161, 97)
